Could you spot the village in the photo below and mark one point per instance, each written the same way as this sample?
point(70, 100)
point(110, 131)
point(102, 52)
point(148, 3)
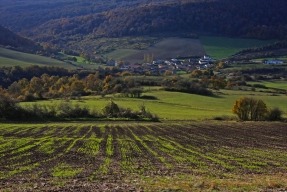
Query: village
point(170, 66)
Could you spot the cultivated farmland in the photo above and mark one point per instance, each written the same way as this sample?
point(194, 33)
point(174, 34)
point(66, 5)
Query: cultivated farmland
point(166, 48)
point(186, 156)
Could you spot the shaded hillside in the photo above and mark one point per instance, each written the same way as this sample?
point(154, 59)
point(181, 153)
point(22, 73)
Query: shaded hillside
point(75, 25)
point(21, 15)
point(262, 19)
point(273, 50)
point(11, 40)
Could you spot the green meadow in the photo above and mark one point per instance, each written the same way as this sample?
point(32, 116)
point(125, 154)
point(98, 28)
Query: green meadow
point(15, 58)
point(222, 47)
point(272, 84)
point(180, 106)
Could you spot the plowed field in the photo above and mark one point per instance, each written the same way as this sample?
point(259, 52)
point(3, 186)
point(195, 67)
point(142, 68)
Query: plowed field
point(171, 156)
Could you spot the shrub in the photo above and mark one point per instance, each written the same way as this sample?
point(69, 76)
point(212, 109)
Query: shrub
point(8, 107)
point(274, 114)
point(111, 110)
point(67, 110)
point(149, 97)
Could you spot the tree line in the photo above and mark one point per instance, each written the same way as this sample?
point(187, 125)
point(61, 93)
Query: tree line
point(46, 87)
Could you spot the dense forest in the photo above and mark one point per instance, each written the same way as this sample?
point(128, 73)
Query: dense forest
point(65, 23)
point(13, 41)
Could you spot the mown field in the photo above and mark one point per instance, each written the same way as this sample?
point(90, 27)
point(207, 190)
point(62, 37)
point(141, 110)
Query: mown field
point(223, 47)
point(197, 156)
point(16, 58)
point(180, 106)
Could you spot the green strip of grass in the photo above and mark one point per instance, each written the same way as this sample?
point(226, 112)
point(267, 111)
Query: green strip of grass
point(222, 47)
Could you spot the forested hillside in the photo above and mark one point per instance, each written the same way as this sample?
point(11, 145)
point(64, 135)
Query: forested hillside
point(13, 41)
point(68, 24)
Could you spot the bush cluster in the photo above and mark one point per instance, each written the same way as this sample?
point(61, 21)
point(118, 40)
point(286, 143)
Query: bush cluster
point(112, 110)
point(250, 109)
point(10, 110)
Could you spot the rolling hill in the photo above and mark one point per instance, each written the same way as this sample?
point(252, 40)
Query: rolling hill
point(15, 58)
point(14, 41)
point(44, 19)
point(75, 25)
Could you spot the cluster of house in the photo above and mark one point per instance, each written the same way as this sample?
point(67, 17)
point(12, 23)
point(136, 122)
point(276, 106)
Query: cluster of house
point(273, 62)
point(158, 67)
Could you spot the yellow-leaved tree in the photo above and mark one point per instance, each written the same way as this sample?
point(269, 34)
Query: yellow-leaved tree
point(250, 109)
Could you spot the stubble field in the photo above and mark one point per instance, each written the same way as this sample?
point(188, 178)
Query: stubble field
point(121, 156)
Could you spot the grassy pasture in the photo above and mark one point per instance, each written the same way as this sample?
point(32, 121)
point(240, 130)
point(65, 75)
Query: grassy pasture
point(222, 47)
point(272, 84)
point(16, 58)
point(185, 156)
point(182, 106)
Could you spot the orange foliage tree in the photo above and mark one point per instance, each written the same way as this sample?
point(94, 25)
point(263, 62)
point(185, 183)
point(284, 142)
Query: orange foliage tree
point(250, 109)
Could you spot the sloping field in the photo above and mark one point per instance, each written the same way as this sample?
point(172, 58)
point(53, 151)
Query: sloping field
point(223, 47)
point(180, 106)
point(15, 58)
point(165, 49)
point(185, 156)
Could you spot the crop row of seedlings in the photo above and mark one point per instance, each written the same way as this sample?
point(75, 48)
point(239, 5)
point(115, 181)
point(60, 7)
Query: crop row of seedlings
point(187, 140)
point(89, 151)
point(106, 151)
point(235, 138)
point(19, 159)
point(31, 154)
point(134, 158)
point(139, 135)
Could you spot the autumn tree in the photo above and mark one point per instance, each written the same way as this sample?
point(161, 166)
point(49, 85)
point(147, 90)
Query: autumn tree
point(250, 109)
point(7, 105)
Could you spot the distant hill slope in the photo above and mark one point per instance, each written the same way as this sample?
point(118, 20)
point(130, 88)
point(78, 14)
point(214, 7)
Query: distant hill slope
point(14, 41)
point(65, 23)
point(262, 19)
point(21, 15)
point(15, 58)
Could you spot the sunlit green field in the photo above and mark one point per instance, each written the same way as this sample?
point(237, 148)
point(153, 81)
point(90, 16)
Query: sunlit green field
point(222, 47)
point(15, 58)
point(272, 84)
point(181, 106)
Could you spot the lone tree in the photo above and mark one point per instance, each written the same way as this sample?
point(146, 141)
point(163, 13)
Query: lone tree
point(250, 109)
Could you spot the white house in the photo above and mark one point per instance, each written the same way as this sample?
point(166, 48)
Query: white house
point(274, 62)
point(205, 60)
